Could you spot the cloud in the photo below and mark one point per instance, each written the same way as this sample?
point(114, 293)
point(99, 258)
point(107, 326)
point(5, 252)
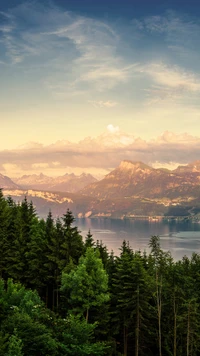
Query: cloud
point(79, 56)
point(72, 55)
point(82, 47)
point(102, 104)
point(61, 62)
point(171, 165)
point(40, 165)
point(169, 137)
point(177, 29)
point(173, 77)
point(173, 72)
point(30, 145)
point(170, 83)
point(112, 129)
point(9, 167)
point(102, 153)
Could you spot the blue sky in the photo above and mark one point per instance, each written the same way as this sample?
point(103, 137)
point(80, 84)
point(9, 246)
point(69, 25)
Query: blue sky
point(123, 75)
point(118, 8)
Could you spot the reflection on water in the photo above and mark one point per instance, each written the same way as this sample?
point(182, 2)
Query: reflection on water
point(181, 238)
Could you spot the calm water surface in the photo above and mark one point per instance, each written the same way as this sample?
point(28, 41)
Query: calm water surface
point(181, 238)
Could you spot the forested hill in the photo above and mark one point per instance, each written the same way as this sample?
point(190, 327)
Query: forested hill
point(65, 294)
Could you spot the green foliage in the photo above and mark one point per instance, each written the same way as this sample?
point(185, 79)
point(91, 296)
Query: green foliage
point(14, 345)
point(89, 241)
point(4, 221)
point(78, 338)
point(131, 293)
point(103, 252)
point(72, 245)
point(87, 284)
point(137, 303)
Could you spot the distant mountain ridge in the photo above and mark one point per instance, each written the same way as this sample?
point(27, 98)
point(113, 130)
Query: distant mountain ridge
point(190, 167)
point(133, 189)
point(7, 183)
point(67, 183)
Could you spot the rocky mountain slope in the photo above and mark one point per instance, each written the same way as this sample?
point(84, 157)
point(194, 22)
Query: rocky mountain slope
point(137, 180)
point(7, 183)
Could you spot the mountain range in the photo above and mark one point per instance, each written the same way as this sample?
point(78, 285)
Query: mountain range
point(138, 180)
point(67, 183)
point(132, 190)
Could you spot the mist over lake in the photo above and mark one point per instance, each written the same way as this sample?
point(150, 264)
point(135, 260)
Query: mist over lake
point(179, 237)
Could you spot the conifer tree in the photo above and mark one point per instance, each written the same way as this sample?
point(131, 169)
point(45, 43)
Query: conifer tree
point(159, 262)
point(50, 258)
point(72, 245)
point(11, 245)
point(103, 251)
point(89, 241)
point(54, 263)
point(26, 219)
point(121, 290)
point(36, 274)
point(4, 221)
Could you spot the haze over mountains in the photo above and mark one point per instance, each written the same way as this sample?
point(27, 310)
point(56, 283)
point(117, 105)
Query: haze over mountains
point(132, 189)
point(69, 182)
point(7, 183)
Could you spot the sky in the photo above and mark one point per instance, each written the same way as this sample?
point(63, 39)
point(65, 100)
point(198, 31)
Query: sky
point(86, 84)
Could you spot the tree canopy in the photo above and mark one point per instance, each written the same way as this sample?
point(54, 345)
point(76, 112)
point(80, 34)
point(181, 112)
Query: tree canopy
point(61, 294)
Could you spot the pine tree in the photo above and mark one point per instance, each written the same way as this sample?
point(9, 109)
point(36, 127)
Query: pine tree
point(4, 221)
point(54, 240)
point(21, 245)
point(121, 290)
point(89, 241)
point(50, 258)
point(36, 274)
point(11, 246)
point(72, 245)
point(159, 261)
point(103, 251)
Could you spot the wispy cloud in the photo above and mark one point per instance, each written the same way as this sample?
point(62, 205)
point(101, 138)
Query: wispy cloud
point(174, 70)
point(79, 52)
point(82, 54)
point(170, 83)
point(173, 77)
point(102, 104)
point(73, 67)
point(96, 63)
point(176, 28)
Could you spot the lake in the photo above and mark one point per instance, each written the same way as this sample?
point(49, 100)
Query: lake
point(181, 238)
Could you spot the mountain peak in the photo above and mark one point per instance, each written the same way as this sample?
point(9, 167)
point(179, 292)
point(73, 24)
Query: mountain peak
point(191, 167)
point(41, 175)
point(7, 183)
point(195, 166)
point(131, 165)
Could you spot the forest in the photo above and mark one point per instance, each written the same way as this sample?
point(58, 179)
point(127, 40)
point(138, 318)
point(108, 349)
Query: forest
point(65, 294)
